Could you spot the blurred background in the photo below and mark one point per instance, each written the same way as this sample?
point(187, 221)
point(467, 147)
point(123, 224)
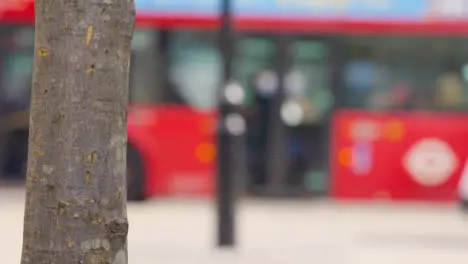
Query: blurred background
point(355, 136)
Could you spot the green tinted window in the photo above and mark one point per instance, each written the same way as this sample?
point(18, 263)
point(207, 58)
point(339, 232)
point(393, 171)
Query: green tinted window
point(401, 72)
point(255, 54)
point(309, 50)
point(310, 65)
point(195, 67)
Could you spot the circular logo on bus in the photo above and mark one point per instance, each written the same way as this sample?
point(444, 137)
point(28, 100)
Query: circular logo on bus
point(430, 162)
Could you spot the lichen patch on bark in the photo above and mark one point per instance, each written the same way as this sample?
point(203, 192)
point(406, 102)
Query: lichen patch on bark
point(96, 244)
point(47, 169)
point(97, 256)
point(89, 34)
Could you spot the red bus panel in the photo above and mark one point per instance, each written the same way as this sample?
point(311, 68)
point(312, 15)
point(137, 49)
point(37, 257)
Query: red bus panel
point(177, 145)
point(398, 155)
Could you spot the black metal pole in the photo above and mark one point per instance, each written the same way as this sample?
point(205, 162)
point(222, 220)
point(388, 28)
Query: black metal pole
point(225, 179)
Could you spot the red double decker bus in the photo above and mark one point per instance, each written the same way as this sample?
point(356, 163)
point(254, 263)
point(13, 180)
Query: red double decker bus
point(376, 92)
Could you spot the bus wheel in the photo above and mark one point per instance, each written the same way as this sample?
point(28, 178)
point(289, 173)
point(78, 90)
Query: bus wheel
point(135, 175)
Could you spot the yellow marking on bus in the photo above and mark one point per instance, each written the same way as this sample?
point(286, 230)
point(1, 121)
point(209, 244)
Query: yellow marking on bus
point(205, 152)
point(344, 157)
point(394, 130)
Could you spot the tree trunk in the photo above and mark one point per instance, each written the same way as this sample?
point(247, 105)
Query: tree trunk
point(76, 197)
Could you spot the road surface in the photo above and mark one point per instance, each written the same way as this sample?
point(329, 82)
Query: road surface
point(181, 232)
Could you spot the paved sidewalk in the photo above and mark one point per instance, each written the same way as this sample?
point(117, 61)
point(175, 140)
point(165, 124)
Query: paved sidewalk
point(173, 232)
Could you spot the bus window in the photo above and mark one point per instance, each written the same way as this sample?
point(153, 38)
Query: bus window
point(195, 67)
point(255, 55)
point(16, 68)
point(395, 72)
point(16, 80)
point(310, 64)
point(145, 77)
point(307, 85)
point(253, 67)
point(16, 64)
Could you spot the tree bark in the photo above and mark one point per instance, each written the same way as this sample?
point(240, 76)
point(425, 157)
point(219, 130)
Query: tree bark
point(76, 197)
